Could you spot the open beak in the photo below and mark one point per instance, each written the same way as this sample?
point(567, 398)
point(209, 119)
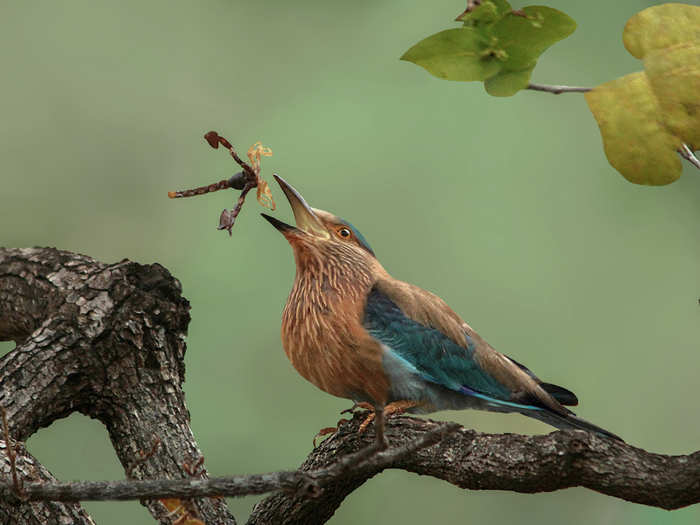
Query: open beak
point(306, 219)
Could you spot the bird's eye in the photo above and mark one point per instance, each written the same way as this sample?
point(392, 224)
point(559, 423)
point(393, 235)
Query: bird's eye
point(343, 233)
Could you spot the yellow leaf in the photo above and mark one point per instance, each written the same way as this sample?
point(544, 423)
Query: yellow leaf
point(265, 195)
point(674, 75)
point(256, 151)
point(661, 26)
point(635, 139)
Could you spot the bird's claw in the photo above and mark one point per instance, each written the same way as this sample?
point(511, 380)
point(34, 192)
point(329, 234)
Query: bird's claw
point(366, 422)
point(328, 430)
point(392, 409)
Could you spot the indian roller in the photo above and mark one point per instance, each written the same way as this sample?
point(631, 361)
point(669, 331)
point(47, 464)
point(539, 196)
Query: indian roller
point(356, 332)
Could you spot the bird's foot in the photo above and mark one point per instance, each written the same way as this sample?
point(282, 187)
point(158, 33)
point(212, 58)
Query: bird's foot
point(392, 409)
point(328, 431)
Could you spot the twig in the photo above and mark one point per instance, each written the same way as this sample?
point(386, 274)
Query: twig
point(228, 217)
point(233, 486)
point(310, 483)
point(245, 180)
point(214, 139)
point(16, 483)
point(557, 89)
point(688, 155)
point(471, 5)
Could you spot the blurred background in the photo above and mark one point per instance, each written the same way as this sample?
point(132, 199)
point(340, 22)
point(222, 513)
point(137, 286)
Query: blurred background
point(507, 208)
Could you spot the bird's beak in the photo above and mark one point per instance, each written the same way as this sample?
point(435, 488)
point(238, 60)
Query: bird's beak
point(306, 219)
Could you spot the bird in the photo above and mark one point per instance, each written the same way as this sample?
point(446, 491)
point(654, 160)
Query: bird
point(356, 332)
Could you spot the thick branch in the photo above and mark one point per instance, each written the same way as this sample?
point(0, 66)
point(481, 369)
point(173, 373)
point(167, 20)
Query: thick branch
point(106, 341)
point(476, 461)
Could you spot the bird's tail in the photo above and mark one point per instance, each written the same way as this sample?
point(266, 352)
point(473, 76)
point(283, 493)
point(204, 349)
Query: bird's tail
point(570, 421)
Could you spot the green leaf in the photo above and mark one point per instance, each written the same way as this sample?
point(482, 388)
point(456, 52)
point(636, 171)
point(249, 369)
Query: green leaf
point(674, 75)
point(455, 54)
point(525, 38)
point(508, 83)
point(661, 26)
point(487, 13)
point(636, 142)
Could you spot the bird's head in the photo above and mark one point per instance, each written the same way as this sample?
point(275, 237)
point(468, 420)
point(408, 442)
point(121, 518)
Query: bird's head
point(320, 236)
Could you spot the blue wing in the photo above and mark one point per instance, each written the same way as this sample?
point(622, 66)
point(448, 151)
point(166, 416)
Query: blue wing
point(416, 354)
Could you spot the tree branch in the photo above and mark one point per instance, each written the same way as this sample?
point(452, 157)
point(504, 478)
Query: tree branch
point(476, 461)
point(303, 483)
point(106, 341)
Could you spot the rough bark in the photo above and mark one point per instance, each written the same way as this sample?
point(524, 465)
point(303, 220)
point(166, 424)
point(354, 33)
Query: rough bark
point(476, 461)
point(106, 340)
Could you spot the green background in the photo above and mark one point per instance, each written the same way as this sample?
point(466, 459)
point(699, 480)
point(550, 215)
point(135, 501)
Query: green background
point(507, 208)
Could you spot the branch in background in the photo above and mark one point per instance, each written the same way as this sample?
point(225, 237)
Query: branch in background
point(557, 89)
point(684, 150)
point(688, 155)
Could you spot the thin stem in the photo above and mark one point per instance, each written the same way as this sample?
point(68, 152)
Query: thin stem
point(557, 89)
point(688, 155)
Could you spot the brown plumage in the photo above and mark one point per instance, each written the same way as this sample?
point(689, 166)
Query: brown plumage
point(322, 331)
point(355, 332)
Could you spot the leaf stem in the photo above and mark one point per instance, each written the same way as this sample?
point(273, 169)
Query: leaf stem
point(557, 89)
point(688, 155)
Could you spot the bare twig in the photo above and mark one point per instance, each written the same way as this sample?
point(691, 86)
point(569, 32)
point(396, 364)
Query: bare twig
point(214, 139)
point(245, 180)
point(471, 5)
point(557, 89)
point(305, 482)
point(688, 155)
point(228, 217)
